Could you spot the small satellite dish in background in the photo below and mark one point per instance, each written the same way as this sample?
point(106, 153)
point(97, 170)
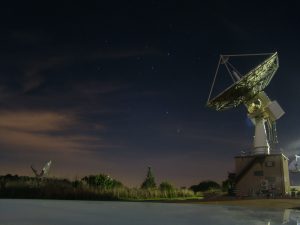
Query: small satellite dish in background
point(294, 166)
point(44, 171)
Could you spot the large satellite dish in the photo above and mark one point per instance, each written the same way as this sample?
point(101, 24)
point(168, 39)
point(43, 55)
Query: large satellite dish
point(248, 90)
point(245, 88)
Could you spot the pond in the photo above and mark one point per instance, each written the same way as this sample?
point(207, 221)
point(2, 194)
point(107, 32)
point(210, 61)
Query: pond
point(46, 212)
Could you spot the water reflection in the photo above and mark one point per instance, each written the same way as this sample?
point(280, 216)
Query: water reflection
point(291, 215)
point(46, 212)
point(258, 216)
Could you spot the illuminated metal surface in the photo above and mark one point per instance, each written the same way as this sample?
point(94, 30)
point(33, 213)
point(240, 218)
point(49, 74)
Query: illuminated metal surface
point(247, 87)
point(294, 166)
point(44, 171)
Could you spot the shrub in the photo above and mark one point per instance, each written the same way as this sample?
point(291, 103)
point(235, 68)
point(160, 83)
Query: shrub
point(205, 186)
point(166, 186)
point(102, 181)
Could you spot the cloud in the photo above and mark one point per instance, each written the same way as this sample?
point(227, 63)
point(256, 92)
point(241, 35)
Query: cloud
point(45, 131)
point(29, 37)
point(35, 68)
point(36, 121)
point(200, 132)
point(5, 92)
point(33, 72)
point(35, 137)
point(32, 141)
point(100, 87)
point(294, 147)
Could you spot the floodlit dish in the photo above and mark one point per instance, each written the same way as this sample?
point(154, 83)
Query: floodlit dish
point(247, 87)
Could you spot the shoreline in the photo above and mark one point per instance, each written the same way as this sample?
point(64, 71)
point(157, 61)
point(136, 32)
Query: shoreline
point(282, 203)
point(253, 203)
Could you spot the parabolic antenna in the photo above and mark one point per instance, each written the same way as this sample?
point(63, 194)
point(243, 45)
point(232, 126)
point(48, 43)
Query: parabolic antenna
point(44, 171)
point(248, 90)
point(294, 166)
point(245, 88)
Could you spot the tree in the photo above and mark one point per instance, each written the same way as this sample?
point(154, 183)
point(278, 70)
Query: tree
point(166, 186)
point(228, 185)
point(102, 181)
point(205, 186)
point(149, 182)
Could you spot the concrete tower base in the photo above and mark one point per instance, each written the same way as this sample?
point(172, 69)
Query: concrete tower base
point(259, 175)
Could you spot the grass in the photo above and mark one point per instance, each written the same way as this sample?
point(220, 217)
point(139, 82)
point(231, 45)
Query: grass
point(28, 187)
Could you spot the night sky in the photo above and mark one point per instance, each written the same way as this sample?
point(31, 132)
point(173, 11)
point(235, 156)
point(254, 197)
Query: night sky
point(112, 88)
